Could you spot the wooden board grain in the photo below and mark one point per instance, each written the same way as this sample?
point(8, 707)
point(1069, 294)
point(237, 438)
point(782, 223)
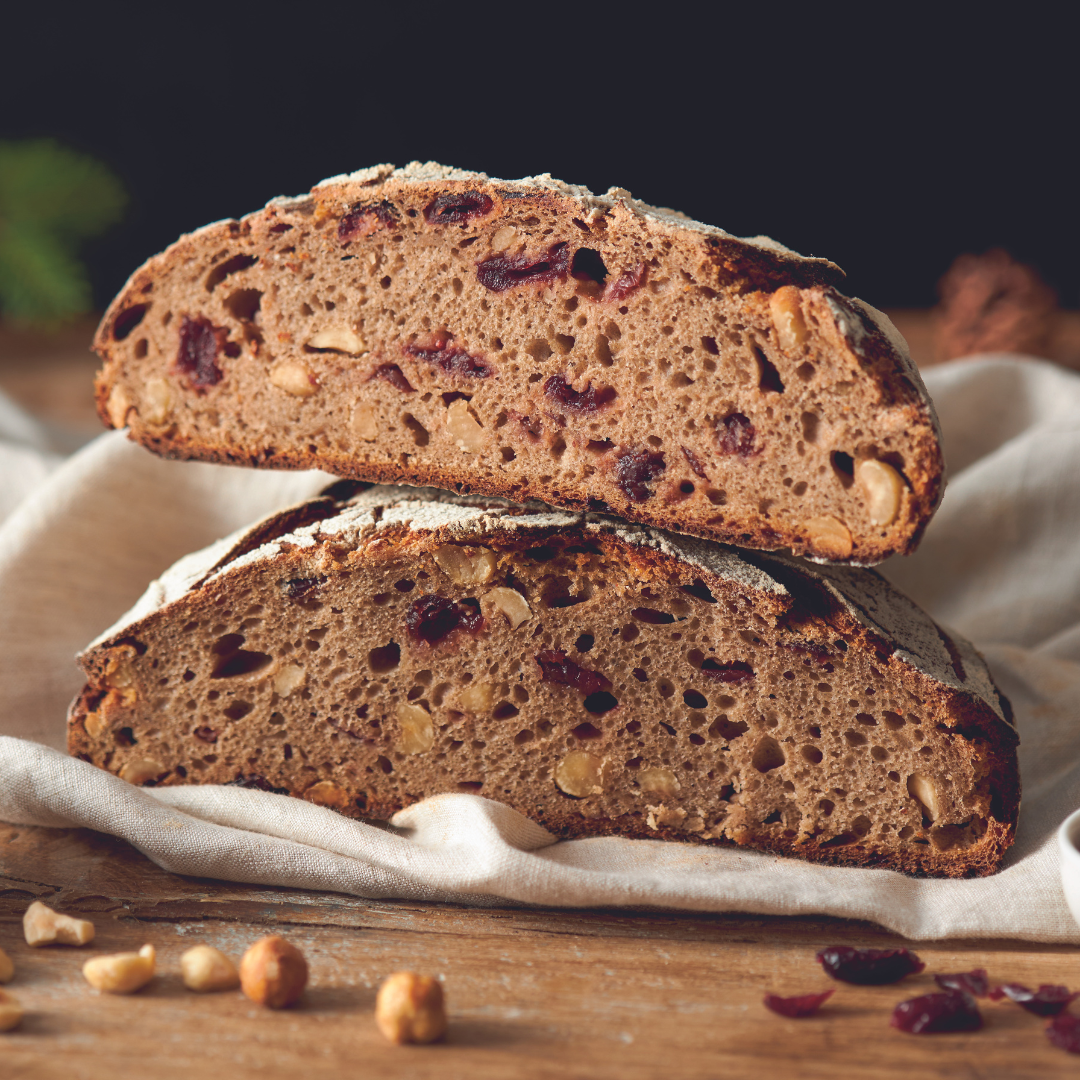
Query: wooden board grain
point(532, 993)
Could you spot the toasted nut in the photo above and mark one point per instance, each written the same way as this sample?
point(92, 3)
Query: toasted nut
point(787, 317)
point(466, 566)
point(662, 781)
point(364, 423)
point(511, 603)
point(43, 926)
point(923, 790)
point(287, 678)
point(117, 406)
point(158, 402)
point(120, 671)
point(417, 730)
point(661, 815)
point(580, 774)
point(884, 489)
point(342, 338)
point(206, 970)
point(326, 793)
point(121, 973)
point(11, 1012)
point(273, 972)
point(477, 697)
point(464, 427)
point(410, 1008)
point(140, 770)
point(503, 238)
point(829, 537)
point(294, 379)
point(96, 725)
point(7, 968)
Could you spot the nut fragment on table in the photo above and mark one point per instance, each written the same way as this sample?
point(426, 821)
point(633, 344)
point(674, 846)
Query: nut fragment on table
point(273, 972)
point(11, 1012)
point(121, 973)
point(410, 1008)
point(207, 970)
point(43, 926)
point(7, 968)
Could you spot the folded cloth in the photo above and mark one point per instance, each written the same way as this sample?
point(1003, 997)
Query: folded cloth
point(1000, 563)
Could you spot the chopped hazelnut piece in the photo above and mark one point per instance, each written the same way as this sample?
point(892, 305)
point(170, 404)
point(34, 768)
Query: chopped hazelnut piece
point(117, 406)
point(7, 968)
point(206, 970)
point(464, 427)
point(417, 730)
point(788, 318)
point(923, 790)
point(326, 793)
point(663, 781)
point(158, 402)
point(580, 774)
point(511, 603)
point(43, 926)
point(11, 1012)
point(829, 537)
point(477, 697)
point(295, 379)
point(289, 677)
point(364, 423)
point(121, 973)
point(140, 770)
point(466, 566)
point(342, 338)
point(884, 489)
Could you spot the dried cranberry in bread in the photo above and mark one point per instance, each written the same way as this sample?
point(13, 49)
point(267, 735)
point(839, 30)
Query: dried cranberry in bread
point(531, 340)
point(599, 677)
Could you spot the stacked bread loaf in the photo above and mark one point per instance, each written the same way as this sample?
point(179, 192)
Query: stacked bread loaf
point(615, 394)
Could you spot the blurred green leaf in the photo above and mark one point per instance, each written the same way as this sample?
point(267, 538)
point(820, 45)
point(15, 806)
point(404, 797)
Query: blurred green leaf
point(51, 199)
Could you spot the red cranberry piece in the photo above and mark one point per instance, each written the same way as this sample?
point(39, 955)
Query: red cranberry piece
point(694, 462)
point(556, 668)
point(502, 272)
point(796, 1007)
point(974, 982)
point(868, 967)
point(586, 401)
point(1048, 1000)
point(431, 618)
point(932, 1014)
point(656, 618)
point(298, 588)
point(450, 358)
point(200, 342)
point(735, 435)
point(738, 671)
point(392, 374)
point(1064, 1031)
point(634, 470)
point(365, 218)
point(625, 283)
point(206, 734)
point(454, 207)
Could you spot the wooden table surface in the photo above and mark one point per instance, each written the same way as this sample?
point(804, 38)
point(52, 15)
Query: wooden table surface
point(531, 993)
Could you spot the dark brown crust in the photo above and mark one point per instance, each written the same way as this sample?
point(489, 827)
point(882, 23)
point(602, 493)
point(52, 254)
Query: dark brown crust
point(727, 263)
point(973, 726)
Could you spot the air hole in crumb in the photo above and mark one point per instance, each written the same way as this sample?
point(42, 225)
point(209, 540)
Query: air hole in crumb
point(523, 736)
point(419, 432)
point(238, 709)
point(805, 372)
point(768, 755)
point(666, 688)
point(385, 658)
point(244, 304)
point(768, 376)
point(686, 488)
point(812, 754)
point(586, 731)
point(826, 806)
point(504, 710)
point(385, 765)
point(695, 700)
point(584, 643)
point(600, 702)
point(507, 454)
point(404, 585)
point(844, 467)
point(639, 674)
point(470, 787)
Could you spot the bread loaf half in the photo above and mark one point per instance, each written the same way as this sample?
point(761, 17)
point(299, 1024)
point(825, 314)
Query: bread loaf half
point(597, 676)
point(531, 340)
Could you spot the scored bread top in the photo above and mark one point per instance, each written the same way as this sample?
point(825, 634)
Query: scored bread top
point(346, 519)
point(339, 322)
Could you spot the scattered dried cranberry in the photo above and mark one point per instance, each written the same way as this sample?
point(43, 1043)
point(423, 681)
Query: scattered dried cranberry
point(431, 618)
point(625, 283)
point(452, 360)
point(694, 462)
point(502, 272)
point(200, 342)
point(1064, 1031)
point(932, 1014)
point(795, 1007)
point(454, 207)
point(868, 967)
point(365, 218)
point(971, 982)
point(738, 671)
point(589, 400)
point(1048, 1000)
point(735, 435)
point(297, 588)
point(634, 470)
point(556, 668)
point(392, 374)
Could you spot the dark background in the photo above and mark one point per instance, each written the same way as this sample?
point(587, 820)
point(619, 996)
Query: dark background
point(889, 138)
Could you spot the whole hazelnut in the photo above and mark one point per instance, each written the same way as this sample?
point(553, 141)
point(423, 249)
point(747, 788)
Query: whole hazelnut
point(273, 972)
point(410, 1008)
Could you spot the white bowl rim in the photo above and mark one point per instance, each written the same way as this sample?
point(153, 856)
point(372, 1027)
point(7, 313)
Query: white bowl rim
point(1069, 843)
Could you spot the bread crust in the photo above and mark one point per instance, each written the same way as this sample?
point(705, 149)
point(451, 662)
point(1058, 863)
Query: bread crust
point(848, 393)
point(794, 610)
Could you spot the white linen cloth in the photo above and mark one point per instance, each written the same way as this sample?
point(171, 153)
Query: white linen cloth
point(1000, 563)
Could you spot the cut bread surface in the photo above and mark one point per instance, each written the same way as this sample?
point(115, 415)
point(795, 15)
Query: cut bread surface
point(366, 650)
point(531, 340)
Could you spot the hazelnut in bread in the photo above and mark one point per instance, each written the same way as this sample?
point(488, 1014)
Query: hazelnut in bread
point(532, 340)
point(365, 650)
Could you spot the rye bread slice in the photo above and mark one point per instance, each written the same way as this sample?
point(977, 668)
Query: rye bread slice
point(532, 340)
point(365, 651)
